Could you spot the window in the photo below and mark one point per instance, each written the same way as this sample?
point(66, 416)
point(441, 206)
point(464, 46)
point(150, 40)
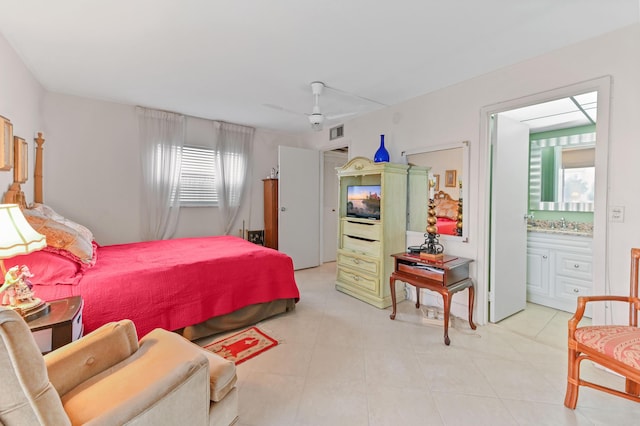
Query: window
point(198, 186)
point(198, 177)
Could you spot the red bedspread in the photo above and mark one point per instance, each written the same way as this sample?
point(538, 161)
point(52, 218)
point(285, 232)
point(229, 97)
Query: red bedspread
point(176, 283)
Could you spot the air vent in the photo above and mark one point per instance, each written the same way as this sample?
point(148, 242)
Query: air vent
point(336, 132)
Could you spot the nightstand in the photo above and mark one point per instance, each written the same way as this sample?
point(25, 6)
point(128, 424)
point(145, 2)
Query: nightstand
point(62, 325)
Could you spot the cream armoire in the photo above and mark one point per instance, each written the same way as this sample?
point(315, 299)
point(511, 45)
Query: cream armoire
point(365, 245)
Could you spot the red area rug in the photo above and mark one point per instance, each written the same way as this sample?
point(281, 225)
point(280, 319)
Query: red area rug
point(242, 346)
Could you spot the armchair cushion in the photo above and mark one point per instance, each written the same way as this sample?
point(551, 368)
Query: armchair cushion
point(94, 353)
point(222, 372)
point(161, 367)
point(621, 343)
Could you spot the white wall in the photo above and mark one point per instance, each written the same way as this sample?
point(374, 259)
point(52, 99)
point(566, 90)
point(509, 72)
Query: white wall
point(453, 115)
point(92, 169)
point(20, 96)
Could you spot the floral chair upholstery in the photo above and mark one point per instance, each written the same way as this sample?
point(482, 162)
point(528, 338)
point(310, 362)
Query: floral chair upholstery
point(616, 347)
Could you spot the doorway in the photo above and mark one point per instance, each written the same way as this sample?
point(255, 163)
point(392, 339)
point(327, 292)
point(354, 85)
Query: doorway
point(494, 261)
point(332, 158)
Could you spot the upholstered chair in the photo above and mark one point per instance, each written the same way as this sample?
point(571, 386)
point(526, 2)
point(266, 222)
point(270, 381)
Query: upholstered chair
point(108, 377)
point(615, 347)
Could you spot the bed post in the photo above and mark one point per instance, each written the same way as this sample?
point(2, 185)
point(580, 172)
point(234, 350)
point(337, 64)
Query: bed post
point(37, 197)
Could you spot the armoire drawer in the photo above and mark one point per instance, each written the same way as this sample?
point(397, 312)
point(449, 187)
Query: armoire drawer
point(365, 264)
point(359, 280)
point(361, 246)
point(367, 230)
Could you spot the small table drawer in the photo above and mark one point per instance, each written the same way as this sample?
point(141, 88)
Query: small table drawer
point(363, 281)
point(371, 266)
point(432, 275)
point(358, 245)
point(370, 231)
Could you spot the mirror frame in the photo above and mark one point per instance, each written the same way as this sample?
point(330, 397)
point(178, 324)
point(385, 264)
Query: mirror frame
point(464, 178)
point(573, 141)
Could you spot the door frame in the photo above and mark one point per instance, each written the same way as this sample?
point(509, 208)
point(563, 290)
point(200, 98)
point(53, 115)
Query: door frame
point(600, 226)
point(338, 143)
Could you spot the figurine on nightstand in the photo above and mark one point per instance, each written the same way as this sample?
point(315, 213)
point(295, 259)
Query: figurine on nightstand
point(16, 287)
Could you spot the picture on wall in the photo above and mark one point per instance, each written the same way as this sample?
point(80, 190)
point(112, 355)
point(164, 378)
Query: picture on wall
point(450, 178)
point(437, 179)
point(6, 144)
point(21, 153)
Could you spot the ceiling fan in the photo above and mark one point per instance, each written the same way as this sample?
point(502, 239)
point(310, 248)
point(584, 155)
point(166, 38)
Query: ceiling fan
point(316, 117)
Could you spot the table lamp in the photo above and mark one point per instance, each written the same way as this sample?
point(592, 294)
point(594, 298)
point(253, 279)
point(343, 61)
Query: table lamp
point(18, 237)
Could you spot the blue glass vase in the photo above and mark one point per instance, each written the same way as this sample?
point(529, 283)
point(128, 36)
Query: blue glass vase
point(382, 155)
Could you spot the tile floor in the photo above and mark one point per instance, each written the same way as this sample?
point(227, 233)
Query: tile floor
point(344, 362)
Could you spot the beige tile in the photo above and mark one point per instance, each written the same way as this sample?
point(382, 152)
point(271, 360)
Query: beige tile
point(464, 410)
point(344, 362)
point(401, 405)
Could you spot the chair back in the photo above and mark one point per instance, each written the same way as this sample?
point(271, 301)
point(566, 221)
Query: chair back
point(633, 291)
point(27, 396)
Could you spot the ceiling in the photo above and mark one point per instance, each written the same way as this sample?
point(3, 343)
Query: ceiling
point(251, 62)
point(574, 111)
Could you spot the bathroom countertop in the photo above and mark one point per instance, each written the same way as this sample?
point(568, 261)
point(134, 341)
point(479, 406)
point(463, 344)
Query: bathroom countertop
point(579, 229)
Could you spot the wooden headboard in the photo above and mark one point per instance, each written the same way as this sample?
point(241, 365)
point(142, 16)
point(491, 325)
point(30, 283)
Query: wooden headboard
point(15, 195)
point(441, 195)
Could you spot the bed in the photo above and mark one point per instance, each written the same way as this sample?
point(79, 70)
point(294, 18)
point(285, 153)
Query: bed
point(447, 214)
point(194, 286)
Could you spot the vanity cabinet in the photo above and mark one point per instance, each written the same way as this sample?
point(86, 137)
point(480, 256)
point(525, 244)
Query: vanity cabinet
point(365, 245)
point(559, 269)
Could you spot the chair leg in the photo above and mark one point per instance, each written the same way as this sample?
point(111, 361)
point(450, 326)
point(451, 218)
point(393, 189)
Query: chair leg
point(631, 387)
point(573, 379)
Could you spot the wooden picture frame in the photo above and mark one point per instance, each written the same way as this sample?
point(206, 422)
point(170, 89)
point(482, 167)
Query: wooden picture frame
point(21, 153)
point(6, 144)
point(437, 179)
point(450, 178)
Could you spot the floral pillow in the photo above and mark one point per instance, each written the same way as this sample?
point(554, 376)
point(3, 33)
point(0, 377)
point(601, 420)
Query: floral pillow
point(447, 208)
point(64, 237)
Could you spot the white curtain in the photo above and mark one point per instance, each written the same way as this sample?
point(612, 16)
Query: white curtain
point(234, 146)
point(162, 137)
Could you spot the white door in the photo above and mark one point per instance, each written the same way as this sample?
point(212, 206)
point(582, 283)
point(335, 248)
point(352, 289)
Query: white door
point(509, 191)
point(299, 205)
point(332, 159)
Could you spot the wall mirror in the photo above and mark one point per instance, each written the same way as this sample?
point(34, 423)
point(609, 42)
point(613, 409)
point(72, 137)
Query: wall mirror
point(440, 162)
point(562, 173)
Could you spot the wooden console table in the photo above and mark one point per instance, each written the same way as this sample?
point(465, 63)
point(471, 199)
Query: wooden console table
point(447, 277)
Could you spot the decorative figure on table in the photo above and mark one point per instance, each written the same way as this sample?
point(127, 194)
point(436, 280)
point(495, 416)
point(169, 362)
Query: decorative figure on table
point(459, 221)
point(17, 293)
point(432, 249)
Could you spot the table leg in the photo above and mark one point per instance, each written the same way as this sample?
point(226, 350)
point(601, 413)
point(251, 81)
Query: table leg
point(471, 299)
point(447, 308)
point(417, 297)
point(392, 283)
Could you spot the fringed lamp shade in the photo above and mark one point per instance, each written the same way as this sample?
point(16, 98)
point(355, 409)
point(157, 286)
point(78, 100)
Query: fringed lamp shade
point(16, 234)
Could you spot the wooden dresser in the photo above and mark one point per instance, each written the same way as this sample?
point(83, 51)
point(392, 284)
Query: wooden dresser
point(271, 213)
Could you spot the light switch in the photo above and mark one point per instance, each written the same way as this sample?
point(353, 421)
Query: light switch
point(616, 214)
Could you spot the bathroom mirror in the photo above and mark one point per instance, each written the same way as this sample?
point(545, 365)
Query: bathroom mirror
point(562, 173)
point(448, 166)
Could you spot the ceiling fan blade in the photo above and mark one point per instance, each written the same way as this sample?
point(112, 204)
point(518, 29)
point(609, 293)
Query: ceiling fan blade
point(340, 116)
point(335, 89)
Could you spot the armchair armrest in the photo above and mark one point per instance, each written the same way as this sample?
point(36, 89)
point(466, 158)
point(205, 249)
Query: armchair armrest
point(582, 304)
point(82, 359)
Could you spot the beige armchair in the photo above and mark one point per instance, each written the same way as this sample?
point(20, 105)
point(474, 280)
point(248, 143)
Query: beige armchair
point(108, 377)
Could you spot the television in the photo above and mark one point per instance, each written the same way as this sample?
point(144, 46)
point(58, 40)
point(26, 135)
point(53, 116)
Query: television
point(363, 201)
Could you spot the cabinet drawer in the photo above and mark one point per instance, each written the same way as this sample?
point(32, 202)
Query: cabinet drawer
point(570, 288)
point(574, 265)
point(359, 280)
point(358, 245)
point(370, 231)
point(358, 262)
